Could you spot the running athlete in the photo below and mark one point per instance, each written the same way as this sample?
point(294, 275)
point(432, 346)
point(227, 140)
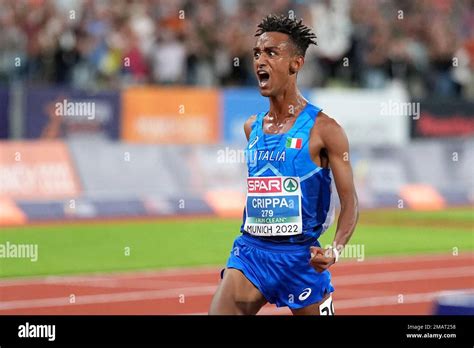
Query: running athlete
point(292, 150)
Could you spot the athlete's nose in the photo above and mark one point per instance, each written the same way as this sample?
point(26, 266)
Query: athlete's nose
point(261, 61)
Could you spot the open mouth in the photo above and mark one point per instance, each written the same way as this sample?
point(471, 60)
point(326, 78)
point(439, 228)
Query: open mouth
point(263, 78)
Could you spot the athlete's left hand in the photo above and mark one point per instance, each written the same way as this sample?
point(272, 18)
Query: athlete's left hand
point(321, 258)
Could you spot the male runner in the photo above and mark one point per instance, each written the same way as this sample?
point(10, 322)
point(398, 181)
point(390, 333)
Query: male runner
point(291, 152)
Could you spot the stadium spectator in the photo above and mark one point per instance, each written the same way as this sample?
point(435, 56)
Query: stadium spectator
point(362, 43)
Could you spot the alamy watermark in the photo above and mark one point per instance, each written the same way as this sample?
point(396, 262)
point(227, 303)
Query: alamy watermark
point(19, 251)
point(75, 109)
point(229, 155)
point(350, 251)
point(251, 157)
point(28, 330)
point(396, 108)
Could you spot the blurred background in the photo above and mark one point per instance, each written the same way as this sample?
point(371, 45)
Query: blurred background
point(133, 111)
point(83, 43)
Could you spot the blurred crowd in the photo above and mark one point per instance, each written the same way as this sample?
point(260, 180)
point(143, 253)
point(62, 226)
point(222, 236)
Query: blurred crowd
point(427, 44)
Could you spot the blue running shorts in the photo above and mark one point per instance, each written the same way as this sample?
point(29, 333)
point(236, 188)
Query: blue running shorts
point(282, 273)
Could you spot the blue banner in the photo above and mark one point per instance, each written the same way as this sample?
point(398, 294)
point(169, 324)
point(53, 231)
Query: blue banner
point(4, 103)
point(238, 105)
point(61, 112)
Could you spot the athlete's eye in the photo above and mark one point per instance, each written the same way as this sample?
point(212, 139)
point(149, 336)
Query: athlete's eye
point(272, 53)
point(256, 55)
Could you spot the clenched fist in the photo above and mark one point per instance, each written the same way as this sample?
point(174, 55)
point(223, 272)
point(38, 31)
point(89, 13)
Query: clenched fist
point(321, 258)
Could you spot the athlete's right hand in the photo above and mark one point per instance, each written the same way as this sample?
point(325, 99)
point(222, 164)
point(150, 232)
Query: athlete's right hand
point(321, 258)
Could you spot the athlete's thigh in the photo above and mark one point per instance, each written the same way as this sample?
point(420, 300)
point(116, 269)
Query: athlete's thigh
point(324, 307)
point(236, 295)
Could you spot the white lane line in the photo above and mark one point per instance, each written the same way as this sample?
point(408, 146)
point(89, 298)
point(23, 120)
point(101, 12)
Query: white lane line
point(207, 270)
point(385, 277)
point(451, 272)
point(58, 279)
point(109, 298)
point(141, 284)
point(447, 272)
point(397, 259)
point(131, 274)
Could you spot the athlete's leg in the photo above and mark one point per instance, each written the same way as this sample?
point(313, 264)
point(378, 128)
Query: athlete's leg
point(324, 307)
point(236, 295)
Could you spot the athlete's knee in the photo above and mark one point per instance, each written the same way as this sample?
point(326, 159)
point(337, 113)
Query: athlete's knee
point(236, 295)
point(225, 305)
point(217, 309)
point(221, 304)
point(223, 301)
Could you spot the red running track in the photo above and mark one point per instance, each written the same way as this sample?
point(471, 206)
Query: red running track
point(395, 285)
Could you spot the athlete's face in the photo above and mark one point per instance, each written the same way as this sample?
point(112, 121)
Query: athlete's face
point(275, 63)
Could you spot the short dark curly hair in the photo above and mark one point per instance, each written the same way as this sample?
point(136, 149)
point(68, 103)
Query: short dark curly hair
point(300, 34)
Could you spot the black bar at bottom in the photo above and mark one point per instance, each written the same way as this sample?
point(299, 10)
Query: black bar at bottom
point(141, 330)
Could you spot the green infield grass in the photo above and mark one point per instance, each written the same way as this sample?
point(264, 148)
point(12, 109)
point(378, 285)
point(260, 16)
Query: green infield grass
point(138, 245)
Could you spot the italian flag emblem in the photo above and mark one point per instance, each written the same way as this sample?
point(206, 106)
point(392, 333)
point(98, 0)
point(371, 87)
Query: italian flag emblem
point(294, 143)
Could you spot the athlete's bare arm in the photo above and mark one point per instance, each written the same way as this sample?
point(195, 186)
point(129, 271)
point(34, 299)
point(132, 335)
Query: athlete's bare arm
point(248, 125)
point(331, 140)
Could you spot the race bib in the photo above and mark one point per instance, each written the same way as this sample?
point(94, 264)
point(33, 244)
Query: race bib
point(327, 307)
point(273, 206)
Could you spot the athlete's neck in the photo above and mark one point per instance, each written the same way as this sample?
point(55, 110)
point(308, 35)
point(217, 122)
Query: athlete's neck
point(288, 104)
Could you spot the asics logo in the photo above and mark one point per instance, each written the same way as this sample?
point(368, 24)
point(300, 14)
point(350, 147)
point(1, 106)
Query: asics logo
point(305, 294)
point(253, 142)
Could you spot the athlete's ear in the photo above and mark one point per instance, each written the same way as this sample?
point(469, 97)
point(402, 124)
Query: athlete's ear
point(296, 64)
point(293, 68)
